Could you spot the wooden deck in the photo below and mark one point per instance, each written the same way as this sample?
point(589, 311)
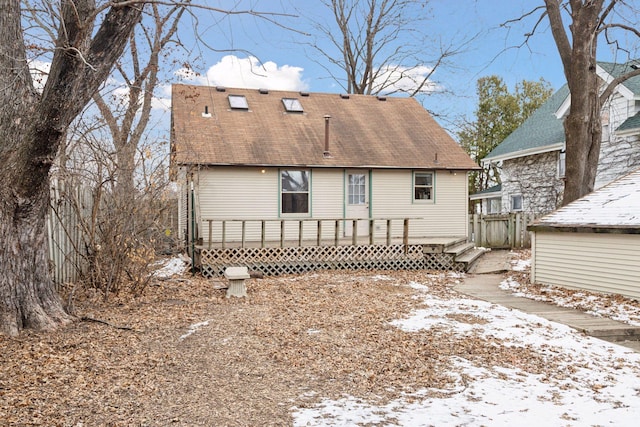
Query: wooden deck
point(277, 257)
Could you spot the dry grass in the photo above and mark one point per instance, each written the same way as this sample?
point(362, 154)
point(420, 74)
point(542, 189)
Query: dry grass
point(293, 341)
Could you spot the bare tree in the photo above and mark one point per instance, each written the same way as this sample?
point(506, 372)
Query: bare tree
point(379, 46)
point(89, 37)
point(587, 23)
point(127, 119)
point(32, 126)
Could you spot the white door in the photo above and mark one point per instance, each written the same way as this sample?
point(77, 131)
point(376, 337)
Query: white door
point(357, 202)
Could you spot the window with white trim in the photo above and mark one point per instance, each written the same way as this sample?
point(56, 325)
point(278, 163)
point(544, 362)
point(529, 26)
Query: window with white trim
point(423, 186)
point(562, 163)
point(294, 191)
point(516, 202)
point(494, 205)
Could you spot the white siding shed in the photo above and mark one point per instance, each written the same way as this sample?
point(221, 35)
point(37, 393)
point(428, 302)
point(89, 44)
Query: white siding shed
point(592, 243)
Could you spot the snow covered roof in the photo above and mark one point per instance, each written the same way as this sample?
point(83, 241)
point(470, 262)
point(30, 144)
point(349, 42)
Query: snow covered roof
point(615, 206)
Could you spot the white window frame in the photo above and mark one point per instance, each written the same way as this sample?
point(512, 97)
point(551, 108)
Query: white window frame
point(562, 164)
point(515, 197)
point(490, 204)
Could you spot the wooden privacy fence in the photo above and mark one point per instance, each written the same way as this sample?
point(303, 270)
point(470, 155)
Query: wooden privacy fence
point(65, 233)
point(500, 231)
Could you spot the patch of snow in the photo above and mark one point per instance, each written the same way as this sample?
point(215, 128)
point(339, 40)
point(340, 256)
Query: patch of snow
point(169, 268)
point(193, 329)
point(419, 286)
point(598, 383)
point(521, 265)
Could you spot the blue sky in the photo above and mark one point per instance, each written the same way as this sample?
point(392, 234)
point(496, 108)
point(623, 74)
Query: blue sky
point(287, 63)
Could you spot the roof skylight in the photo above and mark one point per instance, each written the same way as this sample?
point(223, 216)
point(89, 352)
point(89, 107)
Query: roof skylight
point(238, 102)
point(292, 105)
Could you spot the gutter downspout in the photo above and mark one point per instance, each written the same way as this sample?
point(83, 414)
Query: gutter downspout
point(193, 231)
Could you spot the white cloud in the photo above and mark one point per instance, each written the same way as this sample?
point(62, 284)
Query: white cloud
point(249, 73)
point(396, 78)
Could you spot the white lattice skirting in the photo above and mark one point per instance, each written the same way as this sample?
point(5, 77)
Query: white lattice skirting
point(302, 259)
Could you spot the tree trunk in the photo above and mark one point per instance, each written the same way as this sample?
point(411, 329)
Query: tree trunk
point(28, 298)
point(583, 126)
point(32, 127)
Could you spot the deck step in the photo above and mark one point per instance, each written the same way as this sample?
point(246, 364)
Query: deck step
point(460, 249)
point(470, 256)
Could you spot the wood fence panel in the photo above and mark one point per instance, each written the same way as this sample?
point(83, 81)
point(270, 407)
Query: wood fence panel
point(65, 233)
point(503, 231)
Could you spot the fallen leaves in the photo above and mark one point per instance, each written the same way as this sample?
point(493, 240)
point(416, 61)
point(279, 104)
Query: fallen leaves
point(193, 356)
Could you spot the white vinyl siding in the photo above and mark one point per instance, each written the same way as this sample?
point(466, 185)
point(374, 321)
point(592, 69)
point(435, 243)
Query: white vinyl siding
point(247, 193)
point(393, 196)
point(238, 193)
point(599, 262)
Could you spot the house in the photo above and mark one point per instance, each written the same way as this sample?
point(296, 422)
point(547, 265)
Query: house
point(592, 243)
point(260, 166)
point(531, 159)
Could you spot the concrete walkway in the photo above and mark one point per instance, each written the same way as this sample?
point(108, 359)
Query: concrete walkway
point(483, 282)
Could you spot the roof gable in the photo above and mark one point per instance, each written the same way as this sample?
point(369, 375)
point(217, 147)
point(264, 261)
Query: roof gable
point(364, 131)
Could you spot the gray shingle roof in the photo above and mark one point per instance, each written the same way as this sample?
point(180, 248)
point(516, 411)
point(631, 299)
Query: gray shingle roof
point(632, 122)
point(541, 129)
point(616, 70)
point(488, 192)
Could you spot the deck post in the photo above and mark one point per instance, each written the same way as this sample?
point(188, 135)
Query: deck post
point(354, 232)
point(224, 233)
point(209, 222)
point(388, 232)
point(337, 233)
point(371, 228)
point(263, 234)
point(405, 235)
point(244, 232)
point(319, 230)
point(300, 228)
point(282, 233)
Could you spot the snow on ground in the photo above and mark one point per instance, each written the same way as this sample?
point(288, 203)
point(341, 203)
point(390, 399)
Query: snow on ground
point(169, 268)
point(594, 383)
point(598, 305)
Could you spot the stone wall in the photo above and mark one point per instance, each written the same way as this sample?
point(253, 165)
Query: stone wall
point(536, 179)
point(617, 158)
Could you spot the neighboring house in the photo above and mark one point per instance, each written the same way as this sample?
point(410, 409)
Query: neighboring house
point(258, 154)
point(592, 243)
point(490, 200)
point(532, 158)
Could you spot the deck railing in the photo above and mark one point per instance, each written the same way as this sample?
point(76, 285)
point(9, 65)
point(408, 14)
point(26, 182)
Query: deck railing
point(316, 235)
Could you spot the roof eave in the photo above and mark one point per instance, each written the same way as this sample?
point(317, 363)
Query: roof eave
point(317, 165)
point(582, 228)
point(523, 153)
